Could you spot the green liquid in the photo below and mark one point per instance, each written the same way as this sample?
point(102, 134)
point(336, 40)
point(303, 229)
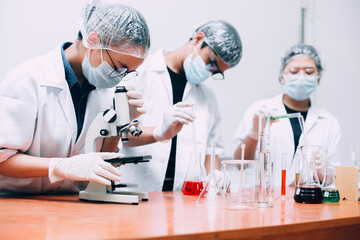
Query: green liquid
point(331, 195)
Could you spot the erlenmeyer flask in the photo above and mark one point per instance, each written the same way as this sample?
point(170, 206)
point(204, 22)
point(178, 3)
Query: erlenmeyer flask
point(329, 190)
point(211, 191)
point(309, 188)
point(193, 184)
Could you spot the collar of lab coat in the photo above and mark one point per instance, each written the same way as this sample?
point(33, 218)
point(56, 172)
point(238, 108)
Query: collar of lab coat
point(55, 68)
point(157, 63)
point(55, 77)
point(314, 112)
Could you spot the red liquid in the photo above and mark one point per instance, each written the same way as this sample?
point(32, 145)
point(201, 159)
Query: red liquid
point(192, 187)
point(283, 182)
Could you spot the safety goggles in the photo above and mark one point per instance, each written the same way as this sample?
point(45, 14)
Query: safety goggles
point(121, 71)
point(213, 67)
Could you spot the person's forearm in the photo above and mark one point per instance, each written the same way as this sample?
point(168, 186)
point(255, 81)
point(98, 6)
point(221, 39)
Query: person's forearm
point(208, 163)
point(25, 166)
point(250, 148)
point(146, 137)
point(110, 144)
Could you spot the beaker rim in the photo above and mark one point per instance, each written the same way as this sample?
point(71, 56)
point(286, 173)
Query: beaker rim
point(237, 161)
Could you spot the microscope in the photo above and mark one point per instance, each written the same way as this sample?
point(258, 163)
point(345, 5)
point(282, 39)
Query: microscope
point(114, 122)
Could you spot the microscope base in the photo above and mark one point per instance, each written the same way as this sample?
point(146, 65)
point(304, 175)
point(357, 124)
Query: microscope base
point(109, 197)
point(98, 192)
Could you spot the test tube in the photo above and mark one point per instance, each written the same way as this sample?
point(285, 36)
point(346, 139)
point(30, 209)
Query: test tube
point(297, 168)
point(283, 175)
point(242, 170)
point(194, 129)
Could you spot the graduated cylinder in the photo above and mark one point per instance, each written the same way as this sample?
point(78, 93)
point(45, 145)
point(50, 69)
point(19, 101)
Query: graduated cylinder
point(263, 166)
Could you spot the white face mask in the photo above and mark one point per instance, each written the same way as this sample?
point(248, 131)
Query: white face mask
point(300, 87)
point(99, 76)
point(195, 69)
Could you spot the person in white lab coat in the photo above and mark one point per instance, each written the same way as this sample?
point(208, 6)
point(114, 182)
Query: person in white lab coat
point(174, 94)
point(48, 103)
point(300, 74)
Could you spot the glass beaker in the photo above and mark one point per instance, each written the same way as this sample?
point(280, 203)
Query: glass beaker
point(309, 188)
point(240, 175)
point(194, 179)
point(329, 191)
point(263, 173)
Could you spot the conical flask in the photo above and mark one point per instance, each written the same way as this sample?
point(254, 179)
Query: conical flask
point(308, 189)
point(195, 175)
point(329, 190)
point(211, 193)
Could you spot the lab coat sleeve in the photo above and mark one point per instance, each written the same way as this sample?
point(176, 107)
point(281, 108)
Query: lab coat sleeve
point(333, 153)
point(245, 126)
point(215, 130)
point(18, 107)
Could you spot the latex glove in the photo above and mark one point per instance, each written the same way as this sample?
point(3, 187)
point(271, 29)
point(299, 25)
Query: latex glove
point(222, 181)
point(173, 121)
point(254, 131)
point(135, 102)
point(85, 167)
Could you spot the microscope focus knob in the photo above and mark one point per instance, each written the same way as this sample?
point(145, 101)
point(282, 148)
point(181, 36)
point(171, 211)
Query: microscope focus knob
point(104, 132)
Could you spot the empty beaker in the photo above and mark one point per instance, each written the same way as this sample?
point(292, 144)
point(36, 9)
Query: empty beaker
point(195, 175)
point(240, 175)
point(309, 188)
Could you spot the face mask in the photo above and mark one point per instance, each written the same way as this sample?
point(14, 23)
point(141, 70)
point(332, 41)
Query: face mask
point(195, 69)
point(300, 87)
point(99, 76)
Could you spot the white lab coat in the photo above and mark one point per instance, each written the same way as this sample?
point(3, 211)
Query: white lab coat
point(38, 118)
point(155, 85)
point(321, 129)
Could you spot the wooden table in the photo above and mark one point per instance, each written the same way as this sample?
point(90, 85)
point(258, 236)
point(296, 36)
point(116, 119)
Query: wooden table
point(171, 215)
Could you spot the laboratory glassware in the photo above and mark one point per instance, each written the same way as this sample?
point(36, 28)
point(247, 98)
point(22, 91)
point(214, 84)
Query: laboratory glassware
point(309, 188)
point(240, 176)
point(263, 165)
point(329, 190)
point(194, 179)
point(211, 193)
point(283, 175)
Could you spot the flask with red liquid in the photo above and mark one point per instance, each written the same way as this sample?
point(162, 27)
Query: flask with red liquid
point(194, 179)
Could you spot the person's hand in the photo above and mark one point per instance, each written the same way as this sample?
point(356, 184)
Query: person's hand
point(222, 181)
point(135, 102)
point(173, 121)
point(254, 131)
point(85, 167)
